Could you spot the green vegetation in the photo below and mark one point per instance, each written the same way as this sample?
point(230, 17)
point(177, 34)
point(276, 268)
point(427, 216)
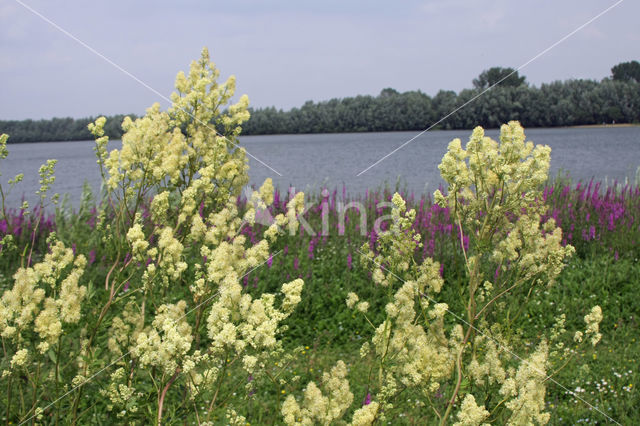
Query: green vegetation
point(58, 129)
point(171, 299)
point(627, 71)
point(605, 270)
point(568, 103)
point(505, 77)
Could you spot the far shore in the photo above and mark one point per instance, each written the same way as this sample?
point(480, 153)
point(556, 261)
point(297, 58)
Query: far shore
point(580, 126)
point(586, 126)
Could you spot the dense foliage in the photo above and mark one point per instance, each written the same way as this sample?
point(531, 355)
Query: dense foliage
point(568, 103)
point(627, 71)
point(59, 129)
point(498, 76)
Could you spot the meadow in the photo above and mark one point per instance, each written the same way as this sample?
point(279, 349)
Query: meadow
point(602, 223)
point(175, 297)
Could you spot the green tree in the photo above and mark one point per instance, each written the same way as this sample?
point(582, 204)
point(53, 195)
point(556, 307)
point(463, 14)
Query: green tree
point(498, 75)
point(626, 71)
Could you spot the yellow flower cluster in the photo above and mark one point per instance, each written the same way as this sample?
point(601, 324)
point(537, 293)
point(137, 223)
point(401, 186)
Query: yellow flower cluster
point(365, 415)
point(531, 252)
point(487, 172)
point(20, 358)
point(125, 328)
point(489, 366)
point(495, 189)
point(120, 394)
point(22, 304)
point(421, 356)
point(190, 145)
point(593, 320)
point(138, 241)
point(166, 342)
point(527, 389)
point(317, 407)
point(470, 413)
point(237, 320)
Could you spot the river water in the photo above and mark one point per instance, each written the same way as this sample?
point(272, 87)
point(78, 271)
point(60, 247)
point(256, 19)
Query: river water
point(312, 162)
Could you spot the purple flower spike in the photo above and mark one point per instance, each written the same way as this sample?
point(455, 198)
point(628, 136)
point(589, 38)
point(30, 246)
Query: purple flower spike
point(92, 257)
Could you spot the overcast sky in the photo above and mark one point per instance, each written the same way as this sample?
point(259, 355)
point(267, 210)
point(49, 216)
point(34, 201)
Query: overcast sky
point(286, 52)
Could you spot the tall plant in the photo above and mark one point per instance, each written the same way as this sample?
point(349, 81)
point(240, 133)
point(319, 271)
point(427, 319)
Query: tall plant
point(171, 316)
point(463, 355)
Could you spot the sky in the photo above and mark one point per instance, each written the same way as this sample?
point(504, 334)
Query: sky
point(286, 52)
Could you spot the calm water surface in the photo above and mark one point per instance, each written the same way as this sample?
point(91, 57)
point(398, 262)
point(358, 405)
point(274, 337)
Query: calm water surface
point(311, 162)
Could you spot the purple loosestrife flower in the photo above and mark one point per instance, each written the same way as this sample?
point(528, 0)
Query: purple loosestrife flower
point(92, 257)
point(276, 198)
point(270, 260)
point(296, 263)
point(373, 237)
point(367, 399)
point(126, 287)
point(311, 248)
point(590, 235)
point(612, 225)
point(349, 261)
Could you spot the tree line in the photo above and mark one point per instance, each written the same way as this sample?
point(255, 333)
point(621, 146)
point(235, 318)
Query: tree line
point(497, 96)
point(58, 129)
